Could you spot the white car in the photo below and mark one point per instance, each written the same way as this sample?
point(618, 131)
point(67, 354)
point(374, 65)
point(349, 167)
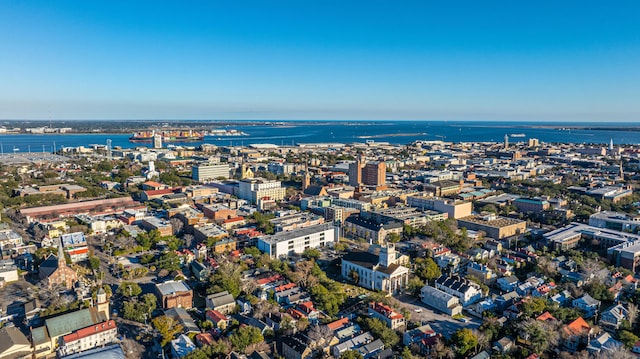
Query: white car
point(418, 310)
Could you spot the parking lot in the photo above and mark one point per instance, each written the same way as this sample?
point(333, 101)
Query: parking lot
point(441, 323)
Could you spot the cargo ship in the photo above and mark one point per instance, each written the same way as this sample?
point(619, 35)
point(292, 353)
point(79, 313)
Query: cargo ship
point(168, 136)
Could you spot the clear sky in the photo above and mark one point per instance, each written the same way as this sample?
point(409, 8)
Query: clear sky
point(322, 59)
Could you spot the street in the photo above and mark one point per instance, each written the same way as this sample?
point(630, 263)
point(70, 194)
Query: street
point(441, 323)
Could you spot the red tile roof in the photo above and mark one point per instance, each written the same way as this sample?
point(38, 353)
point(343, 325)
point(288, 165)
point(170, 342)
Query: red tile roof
point(88, 331)
point(578, 327)
point(215, 316)
point(545, 316)
point(338, 323)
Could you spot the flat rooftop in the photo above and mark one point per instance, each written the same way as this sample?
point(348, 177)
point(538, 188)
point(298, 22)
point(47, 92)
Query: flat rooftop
point(491, 220)
point(301, 232)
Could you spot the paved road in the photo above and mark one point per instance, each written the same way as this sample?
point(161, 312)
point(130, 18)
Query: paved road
point(441, 323)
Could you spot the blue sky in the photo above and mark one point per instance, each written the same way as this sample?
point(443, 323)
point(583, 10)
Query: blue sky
point(453, 60)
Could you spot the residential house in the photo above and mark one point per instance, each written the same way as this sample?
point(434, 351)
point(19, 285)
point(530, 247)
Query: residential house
point(587, 304)
point(252, 322)
point(295, 347)
point(245, 306)
point(183, 318)
point(466, 291)
point(351, 344)
point(603, 344)
point(181, 346)
point(576, 334)
point(417, 337)
point(563, 298)
point(370, 350)
point(508, 284)
point(503, 345)
point(481, 272)
point(218, 319)
point(223, 302)
point(200, 271)
point(613, 317)
point(390, 317)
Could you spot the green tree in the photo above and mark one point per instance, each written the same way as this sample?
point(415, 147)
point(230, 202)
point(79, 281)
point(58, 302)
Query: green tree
point(393, 237)
point(407, 354)
point(94, 262)
point(246, 336)
point(311, 253)
point(351, 354)
point(464, 340)
point(380, 330)
point(167, 327)
point(628, 338)
point(415, 285)
point(427, 269)
point(328, 300)
point(169, 261)
point(534, 305)
point(129, 289)
point(253, 251)
point(150, 302)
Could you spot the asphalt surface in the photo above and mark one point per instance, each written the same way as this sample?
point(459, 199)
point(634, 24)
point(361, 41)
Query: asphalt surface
point(441, 323)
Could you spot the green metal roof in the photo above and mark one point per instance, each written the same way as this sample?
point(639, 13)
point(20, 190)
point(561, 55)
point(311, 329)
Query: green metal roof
point(71, 322)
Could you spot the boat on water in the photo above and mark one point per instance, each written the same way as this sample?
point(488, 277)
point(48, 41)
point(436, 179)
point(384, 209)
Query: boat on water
point(226, 132)
point(518, 135)
point(168, 136)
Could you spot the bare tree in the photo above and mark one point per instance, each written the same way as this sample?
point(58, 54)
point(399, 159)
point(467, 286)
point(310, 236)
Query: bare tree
point(633, 314)
point(305, 278)
point(320, 334)
point(547, 267)
point(131, 348)
point(258, 347)
point(483, 340)
point(188, 240)
point(249, 285)
point(177, 224)
point(264, 308)
point(592, 270)
point(66, 299)
point(443, 351)
point(618, 352)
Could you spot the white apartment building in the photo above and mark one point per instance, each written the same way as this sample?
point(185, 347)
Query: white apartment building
point(209, 171)
point(256, 188)
point(298, 240)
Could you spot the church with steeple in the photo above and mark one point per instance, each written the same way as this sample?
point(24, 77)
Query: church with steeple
point(55, 272)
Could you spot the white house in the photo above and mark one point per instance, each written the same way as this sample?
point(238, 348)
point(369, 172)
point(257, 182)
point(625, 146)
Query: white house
point(467, 292)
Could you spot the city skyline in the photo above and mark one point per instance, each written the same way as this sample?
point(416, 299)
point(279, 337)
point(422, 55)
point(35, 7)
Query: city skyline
point(331, 61)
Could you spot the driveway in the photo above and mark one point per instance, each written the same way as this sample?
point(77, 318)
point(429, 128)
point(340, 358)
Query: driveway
point(441, 323)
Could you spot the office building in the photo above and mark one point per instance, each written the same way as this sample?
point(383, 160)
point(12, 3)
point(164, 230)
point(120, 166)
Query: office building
point(298, 240)
point(209, 171)
point(255, 189)
point(374, 173)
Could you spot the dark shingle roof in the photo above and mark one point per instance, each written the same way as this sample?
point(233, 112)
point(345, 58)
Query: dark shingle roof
point(11, 336)
point(363, 259)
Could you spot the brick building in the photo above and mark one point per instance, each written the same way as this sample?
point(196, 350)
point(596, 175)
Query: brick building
point(174, 294)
